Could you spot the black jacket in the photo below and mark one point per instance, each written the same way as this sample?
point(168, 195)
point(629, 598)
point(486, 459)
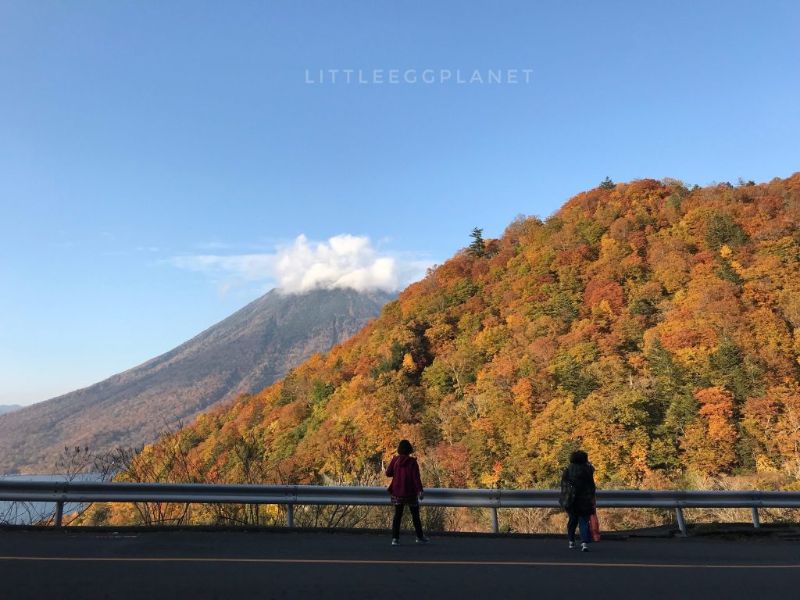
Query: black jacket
point(582, 478)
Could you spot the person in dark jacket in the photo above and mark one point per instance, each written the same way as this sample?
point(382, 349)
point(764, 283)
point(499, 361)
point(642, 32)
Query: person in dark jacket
point(578, 496)
point(406, 489)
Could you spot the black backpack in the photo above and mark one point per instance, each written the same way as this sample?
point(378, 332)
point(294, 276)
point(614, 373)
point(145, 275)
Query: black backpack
point(566, 499)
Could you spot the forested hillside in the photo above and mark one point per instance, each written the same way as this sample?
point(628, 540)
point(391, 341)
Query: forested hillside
point(653, 325)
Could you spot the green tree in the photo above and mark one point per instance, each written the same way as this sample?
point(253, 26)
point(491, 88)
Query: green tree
point(477, 247)
point(607, 184)
point(722, 229)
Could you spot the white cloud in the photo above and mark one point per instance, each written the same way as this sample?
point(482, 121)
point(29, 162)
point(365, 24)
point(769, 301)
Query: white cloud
point(343, 261)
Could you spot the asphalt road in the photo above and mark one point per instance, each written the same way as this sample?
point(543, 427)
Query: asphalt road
point(86, 564)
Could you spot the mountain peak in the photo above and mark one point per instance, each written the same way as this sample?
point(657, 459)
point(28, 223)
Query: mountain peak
point(241, 354)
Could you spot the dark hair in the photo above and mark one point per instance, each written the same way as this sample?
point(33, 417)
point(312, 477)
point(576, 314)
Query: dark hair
point(579, 457)
point(404, 447)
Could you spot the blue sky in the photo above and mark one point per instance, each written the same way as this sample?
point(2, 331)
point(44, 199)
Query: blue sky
point(159, 159)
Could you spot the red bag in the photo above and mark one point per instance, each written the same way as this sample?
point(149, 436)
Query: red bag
point(594, 527)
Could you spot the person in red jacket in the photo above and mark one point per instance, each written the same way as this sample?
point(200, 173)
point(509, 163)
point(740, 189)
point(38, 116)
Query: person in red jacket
point(406, 489)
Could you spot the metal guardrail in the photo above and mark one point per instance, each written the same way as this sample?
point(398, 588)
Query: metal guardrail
point(61, 493)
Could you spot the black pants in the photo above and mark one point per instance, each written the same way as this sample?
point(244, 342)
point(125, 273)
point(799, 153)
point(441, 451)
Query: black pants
point(398, 516)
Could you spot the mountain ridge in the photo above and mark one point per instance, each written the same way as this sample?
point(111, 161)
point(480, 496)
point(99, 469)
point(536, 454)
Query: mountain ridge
point(240, 354)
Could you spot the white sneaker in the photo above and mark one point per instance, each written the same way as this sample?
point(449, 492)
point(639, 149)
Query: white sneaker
point(395, 542)
point(584, 547)
point(571, 545)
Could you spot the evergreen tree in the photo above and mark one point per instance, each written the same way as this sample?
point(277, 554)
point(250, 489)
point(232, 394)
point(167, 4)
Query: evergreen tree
point(477, 247)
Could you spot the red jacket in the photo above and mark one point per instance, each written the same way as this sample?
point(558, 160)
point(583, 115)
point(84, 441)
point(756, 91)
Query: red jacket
point(404, 472)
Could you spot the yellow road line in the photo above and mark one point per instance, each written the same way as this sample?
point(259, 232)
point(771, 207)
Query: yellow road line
point(437, 563)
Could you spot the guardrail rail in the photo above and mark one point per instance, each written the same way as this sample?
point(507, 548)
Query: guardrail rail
point(61, 493)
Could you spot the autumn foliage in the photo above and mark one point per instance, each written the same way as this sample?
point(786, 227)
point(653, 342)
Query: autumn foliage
point(655, 326)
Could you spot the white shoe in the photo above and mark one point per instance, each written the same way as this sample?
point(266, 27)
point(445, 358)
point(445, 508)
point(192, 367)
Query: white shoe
point(571, 545)
point(584, 547)
point(395, 542)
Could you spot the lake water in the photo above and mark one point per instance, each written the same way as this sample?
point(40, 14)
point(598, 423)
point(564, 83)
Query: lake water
point(24, 513)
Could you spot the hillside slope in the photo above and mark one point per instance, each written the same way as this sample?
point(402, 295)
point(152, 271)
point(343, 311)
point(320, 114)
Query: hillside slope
point(653, 325)
point(241, 354)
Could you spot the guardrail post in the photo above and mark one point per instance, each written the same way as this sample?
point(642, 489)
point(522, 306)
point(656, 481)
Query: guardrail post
point(681, 522)
point(290, 515)
point(59, 513)
point(495, 523)
point(756, 519)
